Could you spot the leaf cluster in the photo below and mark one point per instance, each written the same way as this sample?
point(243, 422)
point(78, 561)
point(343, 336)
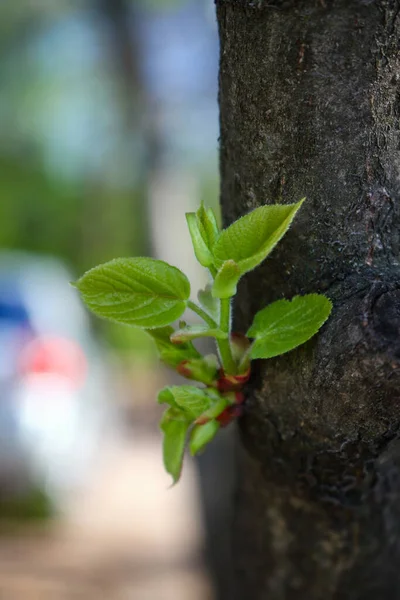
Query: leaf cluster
point(152, 294)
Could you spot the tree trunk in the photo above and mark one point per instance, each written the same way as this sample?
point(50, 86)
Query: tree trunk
point(310, 106)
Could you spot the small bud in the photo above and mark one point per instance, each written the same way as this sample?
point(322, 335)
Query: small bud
point(229, 414)
point(199, 369)
point(172, 354)
point(239, 397)
point(184, 370)
point(230, 383)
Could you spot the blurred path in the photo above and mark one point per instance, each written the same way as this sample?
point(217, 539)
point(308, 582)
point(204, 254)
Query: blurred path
point(125, 537)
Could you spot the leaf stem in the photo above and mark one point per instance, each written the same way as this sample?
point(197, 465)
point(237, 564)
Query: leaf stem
point(225, 315)
point(202, 314)
point(224, 346)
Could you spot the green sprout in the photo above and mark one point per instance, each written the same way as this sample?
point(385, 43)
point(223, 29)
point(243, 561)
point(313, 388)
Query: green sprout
point(151, 294)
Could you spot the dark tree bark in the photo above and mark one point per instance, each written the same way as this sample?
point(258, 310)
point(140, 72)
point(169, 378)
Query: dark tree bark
point(310, 106)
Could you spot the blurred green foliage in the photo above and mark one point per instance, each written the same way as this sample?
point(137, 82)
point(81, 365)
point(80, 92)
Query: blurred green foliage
point(131, 340)
point(81, 223)
point(35, 505)
point(91, 206)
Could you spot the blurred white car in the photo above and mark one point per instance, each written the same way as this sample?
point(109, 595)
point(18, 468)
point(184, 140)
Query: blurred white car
point(53, 381)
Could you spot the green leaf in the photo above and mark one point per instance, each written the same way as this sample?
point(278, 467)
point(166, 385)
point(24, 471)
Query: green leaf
point(204, 231)
point(166, 396)
point(250, 239)
point(209, 303)
point(196, 331)
point(285, 324)
point(136, 291)
point(208, 225)
point(226, 280)
point(202, 435)
point(175, 429)
point(200, 247)
point(191, 400)
point(172, 354)
point(173, 413)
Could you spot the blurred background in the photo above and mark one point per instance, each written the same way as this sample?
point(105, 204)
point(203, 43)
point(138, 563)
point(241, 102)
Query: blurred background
point(108, 134)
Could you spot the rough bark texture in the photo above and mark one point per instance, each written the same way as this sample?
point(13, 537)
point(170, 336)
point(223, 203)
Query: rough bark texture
point(310, 106)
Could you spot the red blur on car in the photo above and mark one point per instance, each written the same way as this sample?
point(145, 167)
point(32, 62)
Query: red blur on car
point(54, 355)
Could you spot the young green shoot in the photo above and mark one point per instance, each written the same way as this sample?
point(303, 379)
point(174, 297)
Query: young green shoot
point(151, 294)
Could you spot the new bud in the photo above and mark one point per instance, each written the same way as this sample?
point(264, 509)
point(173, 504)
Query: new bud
point(204, 369)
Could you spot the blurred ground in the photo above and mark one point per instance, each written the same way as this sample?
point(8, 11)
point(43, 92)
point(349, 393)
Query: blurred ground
point(125, 536)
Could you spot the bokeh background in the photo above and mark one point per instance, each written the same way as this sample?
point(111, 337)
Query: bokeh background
point(108, 134)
